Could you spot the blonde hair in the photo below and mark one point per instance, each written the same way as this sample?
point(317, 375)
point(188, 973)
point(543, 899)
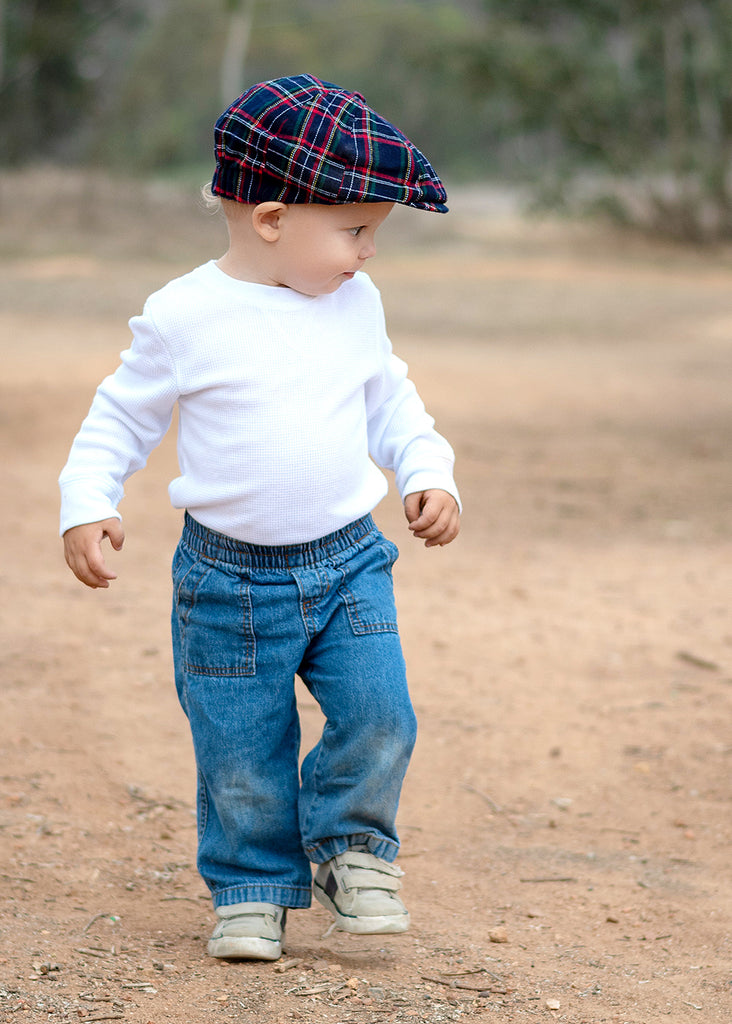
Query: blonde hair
point(211, 201)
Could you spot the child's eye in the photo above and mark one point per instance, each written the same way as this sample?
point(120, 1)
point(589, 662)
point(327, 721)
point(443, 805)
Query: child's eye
point(356, 231)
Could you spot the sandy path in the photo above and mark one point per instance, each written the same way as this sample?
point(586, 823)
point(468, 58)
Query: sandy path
point(565, 822)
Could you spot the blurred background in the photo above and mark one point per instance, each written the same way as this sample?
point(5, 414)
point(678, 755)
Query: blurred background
point(619, 108)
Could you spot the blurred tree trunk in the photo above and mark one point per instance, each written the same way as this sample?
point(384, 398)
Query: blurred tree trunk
point(684, 204)
point(673, 61)
point(710, 61)
point(233, 61)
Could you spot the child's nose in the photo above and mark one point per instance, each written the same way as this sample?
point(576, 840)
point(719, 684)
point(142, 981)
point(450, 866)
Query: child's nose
point(368, 249)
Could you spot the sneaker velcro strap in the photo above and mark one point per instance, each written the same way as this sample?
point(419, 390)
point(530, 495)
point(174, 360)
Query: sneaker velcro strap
point(356, 859)
point(365, 871)
point(365, 879)
point(248, 910)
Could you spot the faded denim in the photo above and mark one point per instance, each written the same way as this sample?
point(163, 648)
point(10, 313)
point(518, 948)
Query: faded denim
point(246, 619)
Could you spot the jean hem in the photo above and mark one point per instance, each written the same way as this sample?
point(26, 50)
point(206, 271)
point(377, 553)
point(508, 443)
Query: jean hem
point(292, 897)
point(379, 846)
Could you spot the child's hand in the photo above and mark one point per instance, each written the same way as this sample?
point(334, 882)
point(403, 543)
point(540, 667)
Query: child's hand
point(433, 516)
point(83, 551)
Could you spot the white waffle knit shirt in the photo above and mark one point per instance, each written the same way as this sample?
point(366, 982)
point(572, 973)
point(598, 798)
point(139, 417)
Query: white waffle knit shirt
point(286, 404)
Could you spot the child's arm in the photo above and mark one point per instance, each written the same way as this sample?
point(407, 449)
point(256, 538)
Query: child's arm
point(402, 438)
point(83, 551)
point(433, 516)
point(130, 414)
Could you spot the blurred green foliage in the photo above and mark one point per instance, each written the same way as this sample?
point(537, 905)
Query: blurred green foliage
point(624, 104)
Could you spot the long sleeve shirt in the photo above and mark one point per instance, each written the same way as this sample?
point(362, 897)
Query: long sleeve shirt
point(287, 405)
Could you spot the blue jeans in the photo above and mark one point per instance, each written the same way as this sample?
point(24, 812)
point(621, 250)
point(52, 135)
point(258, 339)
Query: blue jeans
point(246, 619)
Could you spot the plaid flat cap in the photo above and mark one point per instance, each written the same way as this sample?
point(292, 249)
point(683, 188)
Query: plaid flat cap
point(300, 140)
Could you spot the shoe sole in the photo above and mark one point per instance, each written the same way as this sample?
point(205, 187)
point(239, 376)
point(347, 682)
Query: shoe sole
point(387, 925)
point(232, 947)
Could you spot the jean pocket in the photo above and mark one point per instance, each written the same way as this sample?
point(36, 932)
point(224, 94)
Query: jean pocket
point(368, 592)
point(214, 610)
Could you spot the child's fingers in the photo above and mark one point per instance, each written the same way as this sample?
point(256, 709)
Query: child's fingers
point(90, 568)
point(114, 530)
point(441, 531)
point(439, 521)
point(413, 506)
point(432, 505)
point(83, 551)
point(446, 536)
point(430, 523)
point(423, 507)
point(98, 572)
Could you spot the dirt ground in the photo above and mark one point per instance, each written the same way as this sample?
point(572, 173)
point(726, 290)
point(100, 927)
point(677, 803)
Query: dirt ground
point(566, 818)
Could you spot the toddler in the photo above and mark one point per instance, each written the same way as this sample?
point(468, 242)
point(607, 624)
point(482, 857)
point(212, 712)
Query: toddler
point(289, 397)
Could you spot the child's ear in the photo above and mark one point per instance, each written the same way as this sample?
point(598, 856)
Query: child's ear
point(266, 218)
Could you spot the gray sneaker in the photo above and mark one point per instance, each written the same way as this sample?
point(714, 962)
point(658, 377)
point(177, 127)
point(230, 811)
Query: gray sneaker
point(360, 890)
point(249, 931)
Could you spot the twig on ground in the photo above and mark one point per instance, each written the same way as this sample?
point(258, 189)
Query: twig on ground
point(548, 879)
point(470, 970)
point(697, 662)
point(98, 917)
point(464, 985)
point(484, 796)
point(316, 990)
point(287, 965)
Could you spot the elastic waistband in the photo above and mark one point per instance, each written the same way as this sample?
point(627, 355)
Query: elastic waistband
point(219, 547)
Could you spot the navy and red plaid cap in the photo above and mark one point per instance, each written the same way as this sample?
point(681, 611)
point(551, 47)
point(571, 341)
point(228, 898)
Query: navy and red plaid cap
point(300, 140)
